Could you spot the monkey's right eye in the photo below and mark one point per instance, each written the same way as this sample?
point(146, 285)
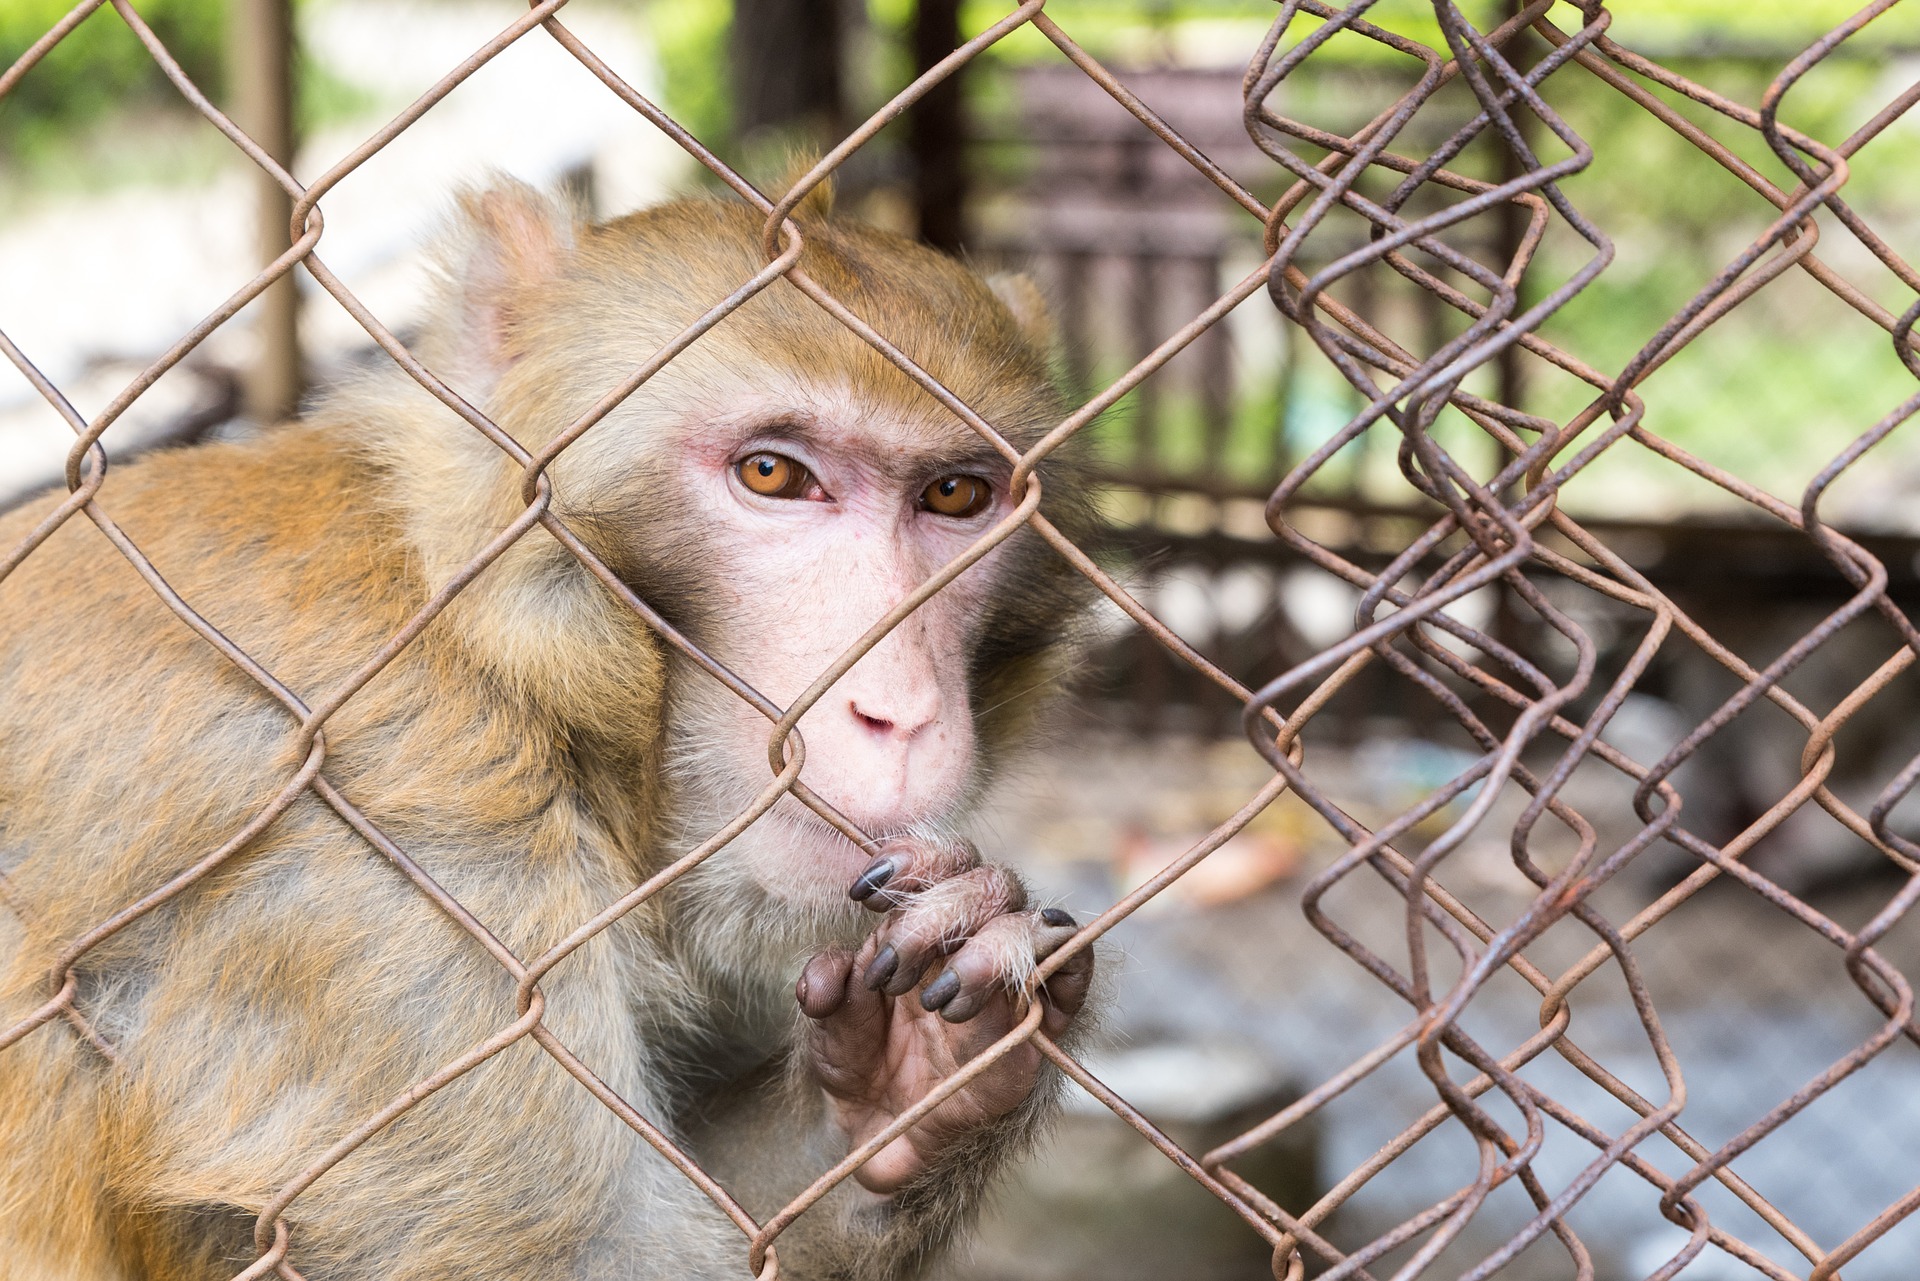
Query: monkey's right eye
point(774, 475)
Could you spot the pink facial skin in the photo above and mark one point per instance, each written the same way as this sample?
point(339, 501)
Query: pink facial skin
point(800, 576)
point(891, 743)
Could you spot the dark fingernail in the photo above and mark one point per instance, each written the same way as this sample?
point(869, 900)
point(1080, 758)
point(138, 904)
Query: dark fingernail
point(940, 991)
point(878, 873)
point(882, 967)
point(905, 978)
point(1057, 916)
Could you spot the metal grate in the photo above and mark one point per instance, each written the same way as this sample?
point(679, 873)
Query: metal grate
point(1535, 719)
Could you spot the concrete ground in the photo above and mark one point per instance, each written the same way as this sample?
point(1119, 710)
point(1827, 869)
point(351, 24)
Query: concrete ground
point(1224, 995)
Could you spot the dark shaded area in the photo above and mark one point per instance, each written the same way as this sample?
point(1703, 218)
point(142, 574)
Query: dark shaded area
point(788, 62)
point(937, 131)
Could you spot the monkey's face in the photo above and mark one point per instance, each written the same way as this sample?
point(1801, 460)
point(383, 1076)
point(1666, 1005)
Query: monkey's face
point(777, 489)
point(823, 512)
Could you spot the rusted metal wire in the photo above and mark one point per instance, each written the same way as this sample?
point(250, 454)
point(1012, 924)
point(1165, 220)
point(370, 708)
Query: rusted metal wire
point(1500, 527)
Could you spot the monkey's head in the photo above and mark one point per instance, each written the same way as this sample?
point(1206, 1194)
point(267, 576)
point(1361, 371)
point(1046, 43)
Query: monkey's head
point(774, 490)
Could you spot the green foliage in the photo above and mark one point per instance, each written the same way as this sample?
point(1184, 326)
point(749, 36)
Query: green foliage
point(100, 66)
point(1773, 390)
point(98, 111)
point(1729, 20)
point(690, 37)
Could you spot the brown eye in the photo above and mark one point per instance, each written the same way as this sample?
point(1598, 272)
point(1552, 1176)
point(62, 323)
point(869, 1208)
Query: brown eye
point(957, 496)
point(774, 475)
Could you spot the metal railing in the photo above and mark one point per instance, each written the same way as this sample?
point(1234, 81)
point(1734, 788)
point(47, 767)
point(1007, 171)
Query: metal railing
point(1535, 721)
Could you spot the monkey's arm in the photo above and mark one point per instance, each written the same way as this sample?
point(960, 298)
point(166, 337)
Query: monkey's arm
point(769, 1136)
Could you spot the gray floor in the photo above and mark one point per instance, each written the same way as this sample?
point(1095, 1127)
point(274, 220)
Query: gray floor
point(1222, 998)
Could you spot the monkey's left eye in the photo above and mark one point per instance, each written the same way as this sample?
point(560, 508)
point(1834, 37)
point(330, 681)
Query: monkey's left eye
point(957, 496)
point(774, 475)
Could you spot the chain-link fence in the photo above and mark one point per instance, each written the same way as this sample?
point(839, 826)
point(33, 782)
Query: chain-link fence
point(1532, 688)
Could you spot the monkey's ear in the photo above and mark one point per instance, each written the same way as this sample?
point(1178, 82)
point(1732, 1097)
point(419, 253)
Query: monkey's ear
point(509, 240)
point(1019, 295)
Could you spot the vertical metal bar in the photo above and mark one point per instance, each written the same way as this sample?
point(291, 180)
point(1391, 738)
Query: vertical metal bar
point(260, 65)
point(1366, 303)
point(1510, 219)
point(1216, 377)
point(1143, 313)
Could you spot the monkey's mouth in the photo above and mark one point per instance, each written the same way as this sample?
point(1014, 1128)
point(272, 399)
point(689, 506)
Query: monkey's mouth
point(798, 858)
point(811, 839)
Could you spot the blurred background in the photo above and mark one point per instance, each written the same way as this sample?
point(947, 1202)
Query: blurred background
point(125, 218)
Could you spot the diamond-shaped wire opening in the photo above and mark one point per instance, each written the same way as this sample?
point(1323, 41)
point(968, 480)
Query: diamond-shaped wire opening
point(1447, 1216)
point(63, 999)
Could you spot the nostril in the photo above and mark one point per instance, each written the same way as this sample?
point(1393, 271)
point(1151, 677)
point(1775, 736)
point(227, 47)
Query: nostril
point(878, 724)
point(892, 717)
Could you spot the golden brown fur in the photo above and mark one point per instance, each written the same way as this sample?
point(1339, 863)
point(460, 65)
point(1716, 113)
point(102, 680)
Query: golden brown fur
point(515, 750)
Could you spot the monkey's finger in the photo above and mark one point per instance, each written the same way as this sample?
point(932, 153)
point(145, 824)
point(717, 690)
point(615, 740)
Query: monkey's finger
point(848, 1032)
point(997, 960)
point(1066, 991)
point(822, 988)
point(936, 921)
point(908, 864)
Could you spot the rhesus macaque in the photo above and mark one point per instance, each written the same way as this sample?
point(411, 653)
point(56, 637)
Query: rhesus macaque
point(539, 751)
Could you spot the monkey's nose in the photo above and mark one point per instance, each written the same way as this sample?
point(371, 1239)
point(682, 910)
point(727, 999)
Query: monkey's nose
point(887, 722)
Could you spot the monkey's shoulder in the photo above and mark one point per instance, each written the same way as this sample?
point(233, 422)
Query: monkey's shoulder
point(284, 542)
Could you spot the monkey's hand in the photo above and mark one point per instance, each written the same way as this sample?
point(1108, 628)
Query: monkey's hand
point(881, 1038)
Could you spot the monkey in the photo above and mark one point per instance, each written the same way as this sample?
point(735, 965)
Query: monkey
point(539, 750)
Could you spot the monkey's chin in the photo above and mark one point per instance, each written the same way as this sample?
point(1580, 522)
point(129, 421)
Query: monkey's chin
point(799, 859)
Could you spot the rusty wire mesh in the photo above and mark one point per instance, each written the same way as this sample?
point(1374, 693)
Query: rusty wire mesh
point(1499, 526)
